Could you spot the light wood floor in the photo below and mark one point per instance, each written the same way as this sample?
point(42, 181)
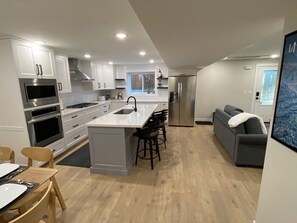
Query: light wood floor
point(195, 181)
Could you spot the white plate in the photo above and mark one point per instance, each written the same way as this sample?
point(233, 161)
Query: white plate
point(6, 168)
point(9, 192)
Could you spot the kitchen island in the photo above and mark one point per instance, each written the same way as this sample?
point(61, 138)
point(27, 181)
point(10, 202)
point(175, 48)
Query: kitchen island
point(111, 140)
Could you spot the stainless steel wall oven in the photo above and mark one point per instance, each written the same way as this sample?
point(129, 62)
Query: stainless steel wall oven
point(42, 110)
point(44, 124)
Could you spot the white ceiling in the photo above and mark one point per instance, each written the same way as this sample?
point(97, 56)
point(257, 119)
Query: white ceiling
point(77, 27)
point(187, 34)
point(196, 33)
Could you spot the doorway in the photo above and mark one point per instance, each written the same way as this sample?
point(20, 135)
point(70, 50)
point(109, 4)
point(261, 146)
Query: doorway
point(264, 90)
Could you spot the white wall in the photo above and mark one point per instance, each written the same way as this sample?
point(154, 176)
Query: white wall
point(278, 197)
point(226, 82)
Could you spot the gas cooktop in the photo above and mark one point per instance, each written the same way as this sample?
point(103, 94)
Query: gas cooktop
point(81, 105)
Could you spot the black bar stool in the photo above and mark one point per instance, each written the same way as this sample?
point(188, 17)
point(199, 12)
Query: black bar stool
point(149, 134)
point(160, 116)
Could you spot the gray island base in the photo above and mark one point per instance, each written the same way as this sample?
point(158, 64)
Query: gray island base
point(111, 140)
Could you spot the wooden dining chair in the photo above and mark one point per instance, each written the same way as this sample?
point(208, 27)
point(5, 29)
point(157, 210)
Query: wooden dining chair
point(45, 155)
point(39, 209)
point(7, 154)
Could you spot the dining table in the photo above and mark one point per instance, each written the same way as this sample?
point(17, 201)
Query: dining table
point(34, 175)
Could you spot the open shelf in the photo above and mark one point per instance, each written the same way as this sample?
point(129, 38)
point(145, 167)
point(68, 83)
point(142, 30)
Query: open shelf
point(162, 87)
point(120, 79)
point(162, 78)
point(120, 88)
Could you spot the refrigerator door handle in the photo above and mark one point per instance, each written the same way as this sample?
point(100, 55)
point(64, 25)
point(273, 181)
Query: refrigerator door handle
point(180, 90)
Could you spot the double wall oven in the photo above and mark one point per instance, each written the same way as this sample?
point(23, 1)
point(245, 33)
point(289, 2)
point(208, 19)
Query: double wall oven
point(42, 110)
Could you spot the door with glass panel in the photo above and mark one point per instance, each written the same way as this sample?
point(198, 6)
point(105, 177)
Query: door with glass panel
point(266, 77)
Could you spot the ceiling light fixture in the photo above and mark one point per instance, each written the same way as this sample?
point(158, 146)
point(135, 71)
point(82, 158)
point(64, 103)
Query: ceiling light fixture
point(142, 53)
point(274, 56)
point(152, 61)
point(39, 42)
point(110, 62)
point(225, 58)
point(87, 56)
point(121, 35)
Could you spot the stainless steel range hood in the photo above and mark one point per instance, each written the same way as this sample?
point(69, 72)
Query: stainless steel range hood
point(75, 73)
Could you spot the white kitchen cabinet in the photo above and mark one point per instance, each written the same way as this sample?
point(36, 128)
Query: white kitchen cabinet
point(63, 75)
point(33, 61)
point(108, 76)
point(103, 75)
point(74, 124)
point(120, 72)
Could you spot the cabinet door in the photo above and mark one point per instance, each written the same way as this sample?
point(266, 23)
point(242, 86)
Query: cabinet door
point(120, 72)
point(108, 76)
point(95, 70)
point(63, 76)
point(24, 57)
point(44, 59)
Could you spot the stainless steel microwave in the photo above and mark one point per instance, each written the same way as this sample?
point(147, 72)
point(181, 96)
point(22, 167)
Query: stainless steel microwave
point(37, 92)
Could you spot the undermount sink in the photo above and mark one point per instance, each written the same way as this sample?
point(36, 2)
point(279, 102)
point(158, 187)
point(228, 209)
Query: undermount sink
point(124, 112)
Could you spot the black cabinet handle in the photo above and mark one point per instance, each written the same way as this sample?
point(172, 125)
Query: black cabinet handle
point(61, 86)
point(74, 126)
point(54, 150)
point(76, 137)
point(94, 117)
point(99, 86)
point(74, 116)
point(37, 69)
point(104, 85)
point(41, 71)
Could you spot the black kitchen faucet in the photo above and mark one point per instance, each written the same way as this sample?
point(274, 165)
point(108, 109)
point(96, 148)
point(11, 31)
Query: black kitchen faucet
point(135, 108)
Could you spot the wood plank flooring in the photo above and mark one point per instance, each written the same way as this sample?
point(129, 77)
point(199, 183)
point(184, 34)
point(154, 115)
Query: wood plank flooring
point(196, 181)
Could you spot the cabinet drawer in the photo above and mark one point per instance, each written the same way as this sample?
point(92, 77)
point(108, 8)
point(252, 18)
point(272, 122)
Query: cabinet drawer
point(105, 108)
point(93, 116)
point(73, 124)
point(75, 136)
point(73, 116)
point(93, 110)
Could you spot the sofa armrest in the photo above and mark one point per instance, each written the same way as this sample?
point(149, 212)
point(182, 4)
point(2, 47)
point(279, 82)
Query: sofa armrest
point(256, 139)
point(250, 149)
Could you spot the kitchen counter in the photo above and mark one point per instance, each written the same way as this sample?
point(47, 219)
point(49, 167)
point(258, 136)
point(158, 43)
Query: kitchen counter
point(111, 140)
point(132, 120)
point(151, 100)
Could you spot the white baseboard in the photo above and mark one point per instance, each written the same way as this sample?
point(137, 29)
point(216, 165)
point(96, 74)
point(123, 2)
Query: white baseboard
point(203, 119)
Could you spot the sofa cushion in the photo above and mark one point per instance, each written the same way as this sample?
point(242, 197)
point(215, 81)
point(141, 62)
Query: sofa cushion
point(229, 108)
point(252, 126)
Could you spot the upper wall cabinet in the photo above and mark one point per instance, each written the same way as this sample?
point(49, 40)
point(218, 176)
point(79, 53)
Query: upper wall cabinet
point(103, 75)
point(33, 61)
point(63, 75)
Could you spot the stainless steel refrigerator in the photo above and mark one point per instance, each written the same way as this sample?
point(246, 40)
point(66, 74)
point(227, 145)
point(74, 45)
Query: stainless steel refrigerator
point(182, 92)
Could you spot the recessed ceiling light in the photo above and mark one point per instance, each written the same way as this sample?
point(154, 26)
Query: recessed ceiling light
point(110, 62)
point(274, 56)
point(152, 61)
point(87, 56)
point(121, 35)
point(142, 53)
point(225, 58)
point(39, 42)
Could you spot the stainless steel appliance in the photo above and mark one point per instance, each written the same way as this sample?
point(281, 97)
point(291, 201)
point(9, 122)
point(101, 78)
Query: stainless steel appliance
point(75, 73)
point(82, 105)
point(37, 92)
point(44, 124)
point(182, 92)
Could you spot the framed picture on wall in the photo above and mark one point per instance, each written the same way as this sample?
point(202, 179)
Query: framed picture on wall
point(284, 129)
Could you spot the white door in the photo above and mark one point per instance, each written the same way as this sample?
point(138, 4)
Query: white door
point(266, 76)
point(45, 62)
point(27, 67)
point(63, 76)
point(107, 76)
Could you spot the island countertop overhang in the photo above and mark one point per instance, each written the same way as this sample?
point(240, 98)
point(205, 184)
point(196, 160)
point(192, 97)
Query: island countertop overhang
point(132, 120)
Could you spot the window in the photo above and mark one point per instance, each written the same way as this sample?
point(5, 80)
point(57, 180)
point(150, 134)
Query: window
point(141, 82)
point(268, 85)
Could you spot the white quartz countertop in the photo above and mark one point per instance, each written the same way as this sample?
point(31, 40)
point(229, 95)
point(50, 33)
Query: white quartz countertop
point(132, 120)
point(68, 111)
point(142, 100)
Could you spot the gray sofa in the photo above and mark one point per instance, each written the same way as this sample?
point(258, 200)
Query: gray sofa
point(246, 144)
